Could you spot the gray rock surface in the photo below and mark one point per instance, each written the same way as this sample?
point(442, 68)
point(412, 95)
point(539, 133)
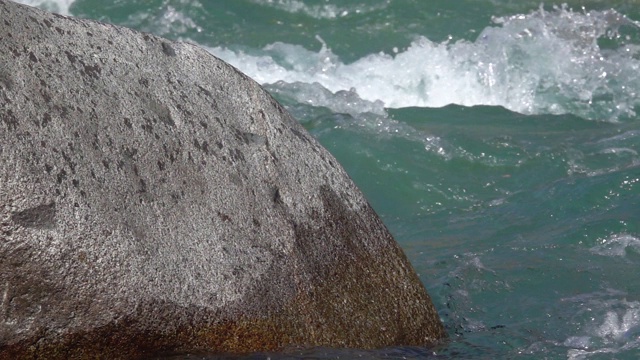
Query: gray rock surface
point(154, 199)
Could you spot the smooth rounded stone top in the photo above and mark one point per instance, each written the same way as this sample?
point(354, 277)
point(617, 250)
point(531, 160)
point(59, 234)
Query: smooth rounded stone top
point(153, 199)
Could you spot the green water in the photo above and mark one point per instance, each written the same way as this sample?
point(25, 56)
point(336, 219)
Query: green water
point(498, 141)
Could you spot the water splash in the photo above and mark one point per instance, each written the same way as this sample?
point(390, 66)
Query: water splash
point(545, 62)
point(56, 6)
point(171, 17)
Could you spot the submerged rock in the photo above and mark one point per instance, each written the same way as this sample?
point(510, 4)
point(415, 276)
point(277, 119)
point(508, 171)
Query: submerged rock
point(153, 199)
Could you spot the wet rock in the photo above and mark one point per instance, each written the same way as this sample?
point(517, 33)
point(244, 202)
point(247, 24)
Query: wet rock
point(153, 199)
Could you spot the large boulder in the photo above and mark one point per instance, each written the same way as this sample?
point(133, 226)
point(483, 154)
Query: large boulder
point(153, 199)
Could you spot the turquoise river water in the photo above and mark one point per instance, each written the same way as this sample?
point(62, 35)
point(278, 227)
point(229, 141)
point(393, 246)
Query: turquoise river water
point(498, 140)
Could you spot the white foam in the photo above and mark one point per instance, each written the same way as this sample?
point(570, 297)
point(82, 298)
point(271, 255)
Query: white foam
point(342, 101)
point(619, 151)
point(323, 11)
point(543, 62)
point(56, 6)
point(617, 245)
point(578, 342)
point(616, 326)
point(616, 333)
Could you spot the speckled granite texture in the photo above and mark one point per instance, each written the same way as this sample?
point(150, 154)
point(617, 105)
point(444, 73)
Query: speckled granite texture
point(153, 199)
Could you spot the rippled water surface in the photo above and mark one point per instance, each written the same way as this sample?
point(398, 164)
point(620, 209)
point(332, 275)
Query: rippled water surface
point(497, 139)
